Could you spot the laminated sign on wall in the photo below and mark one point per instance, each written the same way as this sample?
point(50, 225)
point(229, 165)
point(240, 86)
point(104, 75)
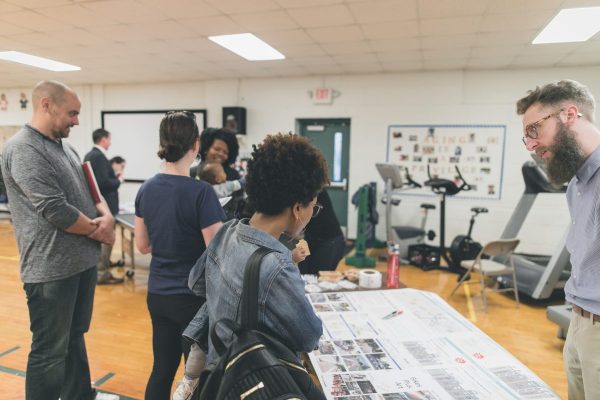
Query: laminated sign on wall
point(477, 150)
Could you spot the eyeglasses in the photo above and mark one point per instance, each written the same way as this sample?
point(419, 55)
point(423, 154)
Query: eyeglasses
point(531, 130)
point(185, 113)
point(316, 209)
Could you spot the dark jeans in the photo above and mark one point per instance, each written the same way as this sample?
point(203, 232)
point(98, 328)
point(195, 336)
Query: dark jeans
point(170, 316)
point(60, 313)
point(324, 255)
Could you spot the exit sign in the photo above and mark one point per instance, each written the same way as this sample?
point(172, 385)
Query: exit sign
point(323, 96)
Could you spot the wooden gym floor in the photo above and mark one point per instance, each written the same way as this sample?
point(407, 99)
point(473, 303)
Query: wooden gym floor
point(119, 341)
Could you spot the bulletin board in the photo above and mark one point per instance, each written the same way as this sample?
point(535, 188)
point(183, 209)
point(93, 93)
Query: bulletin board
point(477, 150)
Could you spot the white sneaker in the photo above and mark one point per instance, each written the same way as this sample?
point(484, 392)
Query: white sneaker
point(185, 389)
point(106, 396)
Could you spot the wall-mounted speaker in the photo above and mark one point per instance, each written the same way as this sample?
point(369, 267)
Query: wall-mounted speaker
point(234, 119)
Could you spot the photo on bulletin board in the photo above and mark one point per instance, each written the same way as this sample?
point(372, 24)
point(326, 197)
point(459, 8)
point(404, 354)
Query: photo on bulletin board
point(477, 150)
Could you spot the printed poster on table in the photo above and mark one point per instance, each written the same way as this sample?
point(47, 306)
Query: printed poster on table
point(410, 344)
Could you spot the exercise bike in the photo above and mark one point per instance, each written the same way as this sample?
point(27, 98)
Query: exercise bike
point(463, 246)
point(403, 235)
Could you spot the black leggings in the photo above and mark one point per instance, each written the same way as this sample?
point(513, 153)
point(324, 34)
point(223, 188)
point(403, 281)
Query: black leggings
point(170, 316)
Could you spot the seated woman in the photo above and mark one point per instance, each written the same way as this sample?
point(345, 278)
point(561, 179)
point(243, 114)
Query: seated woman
point(325, 240)
point(281, 205)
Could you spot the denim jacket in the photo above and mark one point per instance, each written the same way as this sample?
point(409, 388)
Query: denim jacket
point(284, 310)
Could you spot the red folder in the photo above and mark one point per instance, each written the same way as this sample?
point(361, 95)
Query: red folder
point(88, 171)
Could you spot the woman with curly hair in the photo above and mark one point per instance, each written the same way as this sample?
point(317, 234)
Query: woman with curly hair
point(221, 146)
point(285, 175)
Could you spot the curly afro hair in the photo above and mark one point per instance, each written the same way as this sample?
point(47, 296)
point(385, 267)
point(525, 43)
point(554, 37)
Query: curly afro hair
point(284, 170)
point(209, 135)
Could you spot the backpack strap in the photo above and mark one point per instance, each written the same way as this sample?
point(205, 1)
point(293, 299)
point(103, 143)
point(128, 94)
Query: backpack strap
point(249, 300)
point(250, 291)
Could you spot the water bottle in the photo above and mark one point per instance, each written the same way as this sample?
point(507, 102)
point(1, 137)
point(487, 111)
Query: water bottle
point(393, 266)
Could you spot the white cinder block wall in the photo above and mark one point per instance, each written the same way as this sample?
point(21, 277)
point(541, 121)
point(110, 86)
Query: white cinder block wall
point(372, 102)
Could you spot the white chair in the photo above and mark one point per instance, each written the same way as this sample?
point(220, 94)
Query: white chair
point(488, 268)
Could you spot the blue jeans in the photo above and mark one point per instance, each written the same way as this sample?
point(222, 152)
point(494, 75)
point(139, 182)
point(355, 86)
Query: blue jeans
point(60, 313)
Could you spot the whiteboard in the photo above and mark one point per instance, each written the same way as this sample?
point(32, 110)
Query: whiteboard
point(135, 138)
point(477, 150)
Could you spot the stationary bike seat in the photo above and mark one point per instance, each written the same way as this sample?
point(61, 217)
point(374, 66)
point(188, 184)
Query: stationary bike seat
point(428, 206)
point(479, 210)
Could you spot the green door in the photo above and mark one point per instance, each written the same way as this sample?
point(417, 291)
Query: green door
point(332, 137)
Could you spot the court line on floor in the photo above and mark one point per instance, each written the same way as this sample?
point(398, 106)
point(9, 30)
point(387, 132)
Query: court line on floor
point(9, 258)
point(4, 353)
point(17, 372)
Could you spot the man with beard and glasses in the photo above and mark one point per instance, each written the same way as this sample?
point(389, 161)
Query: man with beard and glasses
point(558, 122)
point(59, 231)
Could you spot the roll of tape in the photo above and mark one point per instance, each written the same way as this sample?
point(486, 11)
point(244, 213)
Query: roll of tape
point(369, 279)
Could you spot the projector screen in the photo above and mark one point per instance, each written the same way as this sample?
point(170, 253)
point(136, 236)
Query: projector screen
point(135, 138)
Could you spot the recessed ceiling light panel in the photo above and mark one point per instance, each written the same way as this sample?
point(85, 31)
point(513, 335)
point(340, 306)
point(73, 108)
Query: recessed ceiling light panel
point(248, 46)
point(35, 61)
point(571, 25)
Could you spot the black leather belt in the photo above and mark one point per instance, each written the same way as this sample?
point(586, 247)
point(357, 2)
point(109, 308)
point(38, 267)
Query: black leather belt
point(585, 313)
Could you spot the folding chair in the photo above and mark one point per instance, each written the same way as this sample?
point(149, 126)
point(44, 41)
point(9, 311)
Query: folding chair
point(488, 268)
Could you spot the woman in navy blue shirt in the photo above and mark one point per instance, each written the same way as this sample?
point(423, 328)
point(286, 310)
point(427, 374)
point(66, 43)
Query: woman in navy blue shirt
point(176, 217)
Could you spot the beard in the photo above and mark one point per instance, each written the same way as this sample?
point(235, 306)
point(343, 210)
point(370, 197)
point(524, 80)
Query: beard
point(567, 156)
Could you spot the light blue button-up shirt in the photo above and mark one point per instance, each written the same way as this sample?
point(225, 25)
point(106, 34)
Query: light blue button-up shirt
point(583, 241)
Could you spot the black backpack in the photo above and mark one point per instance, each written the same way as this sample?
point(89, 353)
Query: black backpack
point(255, 366)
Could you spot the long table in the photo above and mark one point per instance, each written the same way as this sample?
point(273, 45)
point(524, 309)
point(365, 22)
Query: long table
point(410, 344)
point(126, 224)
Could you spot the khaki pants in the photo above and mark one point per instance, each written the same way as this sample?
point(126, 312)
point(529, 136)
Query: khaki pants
point(581, 356)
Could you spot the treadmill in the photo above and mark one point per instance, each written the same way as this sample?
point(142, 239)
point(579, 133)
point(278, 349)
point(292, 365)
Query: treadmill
point(537, 276)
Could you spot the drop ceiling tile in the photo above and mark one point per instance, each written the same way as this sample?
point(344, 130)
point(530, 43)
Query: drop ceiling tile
point(485, 39)
point(301, 50)
point(306, 3)
point(38, 3)
point(76, 15)
point(404, 56)
point(383, 11)
point(33, 21)
point(324, 70)
point(346, 59)
point(8, 7)
point(119, 33)
point(446, 42)
point(450, 26)
point(165, 30)
point(313, 17)
point(265, 21)
point(374, 68)
point(391, 30)
point(124, 11)
point(334, 34)
point(182, 8)
point(402, 65)
point(497, 52)
point(545, 61)
point(210, 26)
point(10, 29)
point(346, 47)
point(444, 64)
point(292, 37)
point(489, 62)
point(451, 8)
point(517, 21)
point(384, 45)
point(243, 6)
point(524, 7)
point(312, 61)
point(461, 53)
point(576, 59)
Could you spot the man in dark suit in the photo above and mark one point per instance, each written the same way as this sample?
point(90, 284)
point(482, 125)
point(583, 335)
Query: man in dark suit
point(109, 185)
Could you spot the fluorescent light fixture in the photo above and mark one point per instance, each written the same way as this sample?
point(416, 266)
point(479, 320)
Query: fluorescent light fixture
point(35, 61)
point(571, 25)
point(248, 46)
